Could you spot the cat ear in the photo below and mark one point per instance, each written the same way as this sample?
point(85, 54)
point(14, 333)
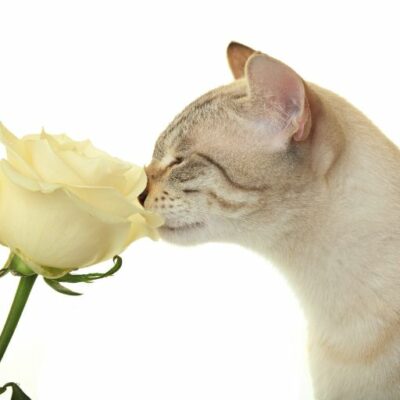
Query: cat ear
point(238, 55)
point(278, 93)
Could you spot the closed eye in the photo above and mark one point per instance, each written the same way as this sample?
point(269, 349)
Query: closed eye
point(190, 191)
point(178, 160)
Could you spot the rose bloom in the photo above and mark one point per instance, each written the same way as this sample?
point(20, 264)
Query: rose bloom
point(66, 205)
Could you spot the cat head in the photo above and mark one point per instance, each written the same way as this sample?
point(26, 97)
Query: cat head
point(238, 161)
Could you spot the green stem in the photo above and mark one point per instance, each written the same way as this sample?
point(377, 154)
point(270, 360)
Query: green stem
point(20, 299)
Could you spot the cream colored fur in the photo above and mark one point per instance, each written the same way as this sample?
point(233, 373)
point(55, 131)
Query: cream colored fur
point(299, 175)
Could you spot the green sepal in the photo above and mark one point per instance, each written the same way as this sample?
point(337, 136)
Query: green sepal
point(82, 278)
point(89, 278)
point(19, 268)
point(60, 288)
point(17, 393)
point(16, 266)
point(4, 271)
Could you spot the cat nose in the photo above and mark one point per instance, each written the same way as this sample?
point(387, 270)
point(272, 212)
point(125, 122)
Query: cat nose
point(143, 195)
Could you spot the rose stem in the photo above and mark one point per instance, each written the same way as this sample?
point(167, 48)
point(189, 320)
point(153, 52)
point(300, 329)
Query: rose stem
point(20, 299)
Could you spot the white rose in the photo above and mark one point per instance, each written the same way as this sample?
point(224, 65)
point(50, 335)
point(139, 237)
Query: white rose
point(67, 205)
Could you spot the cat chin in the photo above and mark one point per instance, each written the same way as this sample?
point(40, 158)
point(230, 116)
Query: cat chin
point(186, 235)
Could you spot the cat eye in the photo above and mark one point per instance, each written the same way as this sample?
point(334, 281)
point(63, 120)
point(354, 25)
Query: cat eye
point(178, 160)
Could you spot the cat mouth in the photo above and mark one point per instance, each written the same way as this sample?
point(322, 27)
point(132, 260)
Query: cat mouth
point(183, 227)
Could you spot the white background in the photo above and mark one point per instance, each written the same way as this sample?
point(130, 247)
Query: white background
point(211, 322)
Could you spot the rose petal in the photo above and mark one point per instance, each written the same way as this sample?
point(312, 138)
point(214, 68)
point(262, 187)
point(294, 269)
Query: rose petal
point(136, 181)
point(106, 203)
point(26, 182)
point(52, 231)
point(12, 142)
point(49, 166)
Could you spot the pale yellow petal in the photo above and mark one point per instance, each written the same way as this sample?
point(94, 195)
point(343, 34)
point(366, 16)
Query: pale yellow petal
point(140, 228)
point(106, 203)
point(136, 181)
point(24, 181)
point(62, 141)
point(52, 231)
point(48, 272)
point(96, 171)
point(153, 219)
point(11, 141)
point(21, 165)
point(48, 166)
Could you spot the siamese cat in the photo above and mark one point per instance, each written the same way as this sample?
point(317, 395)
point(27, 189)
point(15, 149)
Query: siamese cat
point(296, 173)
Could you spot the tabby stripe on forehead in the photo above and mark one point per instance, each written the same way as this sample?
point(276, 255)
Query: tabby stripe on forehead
point(229, 179)
point(182, 118)
point(196, 107)
point(192, 109)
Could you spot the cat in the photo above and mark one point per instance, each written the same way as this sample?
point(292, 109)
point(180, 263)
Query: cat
point(296, 173)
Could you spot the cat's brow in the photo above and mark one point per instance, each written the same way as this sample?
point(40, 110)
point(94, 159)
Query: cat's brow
point(197, 106)
point(189, 112)
point(228, 178)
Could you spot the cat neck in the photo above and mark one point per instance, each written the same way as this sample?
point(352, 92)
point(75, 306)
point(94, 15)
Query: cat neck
point(339, 255)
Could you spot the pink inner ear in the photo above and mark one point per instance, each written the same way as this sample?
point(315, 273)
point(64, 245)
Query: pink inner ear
point(278, 87)
point(300, 134)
